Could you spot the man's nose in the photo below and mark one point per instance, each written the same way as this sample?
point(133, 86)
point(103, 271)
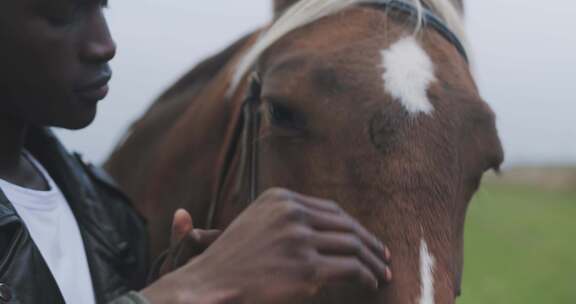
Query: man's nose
point(98, 46)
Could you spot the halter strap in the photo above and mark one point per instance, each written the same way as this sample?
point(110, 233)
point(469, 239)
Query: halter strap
point(253, 124)
point(429, 18)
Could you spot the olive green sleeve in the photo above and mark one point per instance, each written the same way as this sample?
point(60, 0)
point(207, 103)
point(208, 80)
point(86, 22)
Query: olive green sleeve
point(131, 298)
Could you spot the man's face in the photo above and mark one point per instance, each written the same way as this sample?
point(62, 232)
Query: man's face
point(53, 61)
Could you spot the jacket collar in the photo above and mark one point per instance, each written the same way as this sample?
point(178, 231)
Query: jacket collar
point(7, 212)
point(72, 178)
point(71, 175)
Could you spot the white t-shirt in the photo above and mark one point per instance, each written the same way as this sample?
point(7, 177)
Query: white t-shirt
point(55, 232)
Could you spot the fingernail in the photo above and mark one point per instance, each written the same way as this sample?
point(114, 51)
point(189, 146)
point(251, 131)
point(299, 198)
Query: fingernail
point(388, 274)
point(387, 254)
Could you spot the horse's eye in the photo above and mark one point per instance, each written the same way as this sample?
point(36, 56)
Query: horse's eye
point(283, 116)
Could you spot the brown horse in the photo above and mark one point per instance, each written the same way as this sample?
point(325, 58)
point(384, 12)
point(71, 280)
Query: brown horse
point(342, 99)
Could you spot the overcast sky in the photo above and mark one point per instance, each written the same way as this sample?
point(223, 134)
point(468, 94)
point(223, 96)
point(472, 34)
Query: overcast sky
point(523, 53)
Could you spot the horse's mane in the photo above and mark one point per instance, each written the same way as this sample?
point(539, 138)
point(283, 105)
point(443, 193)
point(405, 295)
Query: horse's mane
point(307, 11)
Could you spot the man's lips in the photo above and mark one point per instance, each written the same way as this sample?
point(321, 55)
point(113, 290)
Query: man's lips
point(94, 90)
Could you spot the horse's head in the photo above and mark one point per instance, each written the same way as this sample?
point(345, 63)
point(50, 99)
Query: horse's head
point(358, 107)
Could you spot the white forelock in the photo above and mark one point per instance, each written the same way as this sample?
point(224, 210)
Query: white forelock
point(307, 11)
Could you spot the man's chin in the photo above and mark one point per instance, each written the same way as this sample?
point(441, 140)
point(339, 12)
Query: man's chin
point(76, 121)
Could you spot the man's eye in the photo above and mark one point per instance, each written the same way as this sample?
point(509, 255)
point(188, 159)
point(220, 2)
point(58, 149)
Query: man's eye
point(61, 21)
point(62, 14)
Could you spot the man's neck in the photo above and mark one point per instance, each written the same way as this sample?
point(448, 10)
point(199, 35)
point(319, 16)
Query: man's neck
point(12, 136)
point(14, 168)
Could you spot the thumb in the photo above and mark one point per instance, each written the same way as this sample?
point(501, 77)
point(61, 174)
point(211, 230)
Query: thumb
point(182, 225)
point(206, 237)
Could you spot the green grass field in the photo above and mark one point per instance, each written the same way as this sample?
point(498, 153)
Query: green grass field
point(520, 247)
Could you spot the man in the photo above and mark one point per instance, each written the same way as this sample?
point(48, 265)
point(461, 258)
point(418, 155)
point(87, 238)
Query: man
point(67, 235)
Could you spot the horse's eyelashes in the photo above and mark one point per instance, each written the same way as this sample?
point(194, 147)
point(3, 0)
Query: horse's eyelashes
point(283, 116)
point(280, 114)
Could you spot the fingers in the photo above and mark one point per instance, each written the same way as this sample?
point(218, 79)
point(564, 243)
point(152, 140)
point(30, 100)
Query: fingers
point(325, 215)
point(345, 223)
point(346, 244)
point(182, 225)
point(344, 270)
point(283, 195)
point(341, 221)
point(352, 239)
point(317, 204)
point(339, 235)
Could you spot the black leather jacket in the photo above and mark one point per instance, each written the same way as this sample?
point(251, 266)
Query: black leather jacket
point(114, 235)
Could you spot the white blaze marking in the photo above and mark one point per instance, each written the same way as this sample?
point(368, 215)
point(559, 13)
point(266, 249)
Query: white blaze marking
point(426, 275)
point(409, 71)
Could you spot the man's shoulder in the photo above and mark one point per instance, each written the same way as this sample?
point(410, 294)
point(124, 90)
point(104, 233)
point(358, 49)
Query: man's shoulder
point(113, 224)
point(87, 185)
point(109, 193)
point(101, 180)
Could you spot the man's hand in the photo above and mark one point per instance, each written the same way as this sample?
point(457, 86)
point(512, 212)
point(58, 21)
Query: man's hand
point(186, 242)
point(284, 248)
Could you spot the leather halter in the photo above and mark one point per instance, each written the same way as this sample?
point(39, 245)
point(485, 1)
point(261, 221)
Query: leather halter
point(429, 19)
point(252, 125)
point(247, 137)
